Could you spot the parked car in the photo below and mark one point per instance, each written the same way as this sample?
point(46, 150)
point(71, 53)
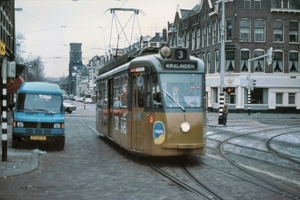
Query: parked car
point(80, 99)
point(69, 108)
point(88, 100)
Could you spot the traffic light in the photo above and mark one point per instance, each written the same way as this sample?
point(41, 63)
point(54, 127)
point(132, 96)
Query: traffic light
point(253, 84)
point(230, 90)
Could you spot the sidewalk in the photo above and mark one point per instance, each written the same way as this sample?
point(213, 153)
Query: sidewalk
point(18, 162)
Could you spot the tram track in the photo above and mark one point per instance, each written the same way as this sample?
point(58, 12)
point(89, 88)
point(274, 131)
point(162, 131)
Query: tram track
point(201, 190)
point(279, 189)
point(280, 154)
point(247, 179)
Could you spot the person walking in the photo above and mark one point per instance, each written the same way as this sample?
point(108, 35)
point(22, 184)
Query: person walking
point(224, 114)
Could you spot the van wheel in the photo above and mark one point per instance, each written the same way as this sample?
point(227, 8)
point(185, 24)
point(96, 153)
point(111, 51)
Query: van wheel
point(15, 142)
point(60, 143)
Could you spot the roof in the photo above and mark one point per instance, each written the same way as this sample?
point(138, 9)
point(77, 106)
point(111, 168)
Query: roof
point(40, 87)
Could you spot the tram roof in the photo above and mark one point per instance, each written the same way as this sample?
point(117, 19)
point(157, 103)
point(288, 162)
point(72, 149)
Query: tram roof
point(150, 58)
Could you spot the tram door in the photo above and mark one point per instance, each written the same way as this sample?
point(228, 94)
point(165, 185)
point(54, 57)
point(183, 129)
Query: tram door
point(137, 111)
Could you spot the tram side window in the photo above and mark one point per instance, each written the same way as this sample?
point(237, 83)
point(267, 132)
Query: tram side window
point(102, 95)
point(138, 94)
point(117, 92)
point(155, 95)
point(124, 90)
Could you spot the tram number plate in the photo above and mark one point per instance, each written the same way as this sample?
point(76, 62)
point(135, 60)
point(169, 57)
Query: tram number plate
point(37, 137)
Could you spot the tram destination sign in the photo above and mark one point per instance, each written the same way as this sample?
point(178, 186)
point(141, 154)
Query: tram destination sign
point(181, 66)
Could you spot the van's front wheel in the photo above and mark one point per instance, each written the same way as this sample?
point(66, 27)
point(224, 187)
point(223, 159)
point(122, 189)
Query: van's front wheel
point(60, 143)
point(15, 142)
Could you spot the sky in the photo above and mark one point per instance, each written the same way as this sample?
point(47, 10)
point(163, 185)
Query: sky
point(49, 26)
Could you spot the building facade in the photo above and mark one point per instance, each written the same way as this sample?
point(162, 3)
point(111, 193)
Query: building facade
point(251, 28)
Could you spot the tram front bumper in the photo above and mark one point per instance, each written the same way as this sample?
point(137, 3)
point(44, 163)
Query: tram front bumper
point(184, 146)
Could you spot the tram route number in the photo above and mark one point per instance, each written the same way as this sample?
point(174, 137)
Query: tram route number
point(183, 66)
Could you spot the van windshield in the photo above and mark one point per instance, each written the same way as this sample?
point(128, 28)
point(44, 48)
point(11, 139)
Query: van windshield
point(39, 103)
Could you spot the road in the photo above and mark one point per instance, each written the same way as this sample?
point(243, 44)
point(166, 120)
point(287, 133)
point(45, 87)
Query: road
point(90, 167)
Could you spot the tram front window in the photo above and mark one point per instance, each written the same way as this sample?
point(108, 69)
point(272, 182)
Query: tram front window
point(182, 90)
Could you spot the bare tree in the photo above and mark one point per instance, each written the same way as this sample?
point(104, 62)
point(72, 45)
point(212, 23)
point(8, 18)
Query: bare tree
point(34, 66)
point(35, 69)
point(20, 48)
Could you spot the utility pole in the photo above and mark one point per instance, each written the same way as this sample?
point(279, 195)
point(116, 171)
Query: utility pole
point(222, 95)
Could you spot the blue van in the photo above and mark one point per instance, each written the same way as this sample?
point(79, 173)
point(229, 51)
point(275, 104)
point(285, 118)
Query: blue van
point(39, 115)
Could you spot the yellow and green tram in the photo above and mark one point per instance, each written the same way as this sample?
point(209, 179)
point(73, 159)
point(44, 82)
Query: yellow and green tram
point(137, 109)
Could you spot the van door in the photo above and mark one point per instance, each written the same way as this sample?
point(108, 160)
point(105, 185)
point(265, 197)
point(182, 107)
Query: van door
point(137, 111)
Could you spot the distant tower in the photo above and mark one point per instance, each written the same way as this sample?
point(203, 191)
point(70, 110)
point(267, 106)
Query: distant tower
point(75, 63)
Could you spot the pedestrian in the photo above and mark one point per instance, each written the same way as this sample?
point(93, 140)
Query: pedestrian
point(224, 114)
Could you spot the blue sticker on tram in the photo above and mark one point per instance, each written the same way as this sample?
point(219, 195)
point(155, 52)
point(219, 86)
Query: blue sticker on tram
point(158, 132)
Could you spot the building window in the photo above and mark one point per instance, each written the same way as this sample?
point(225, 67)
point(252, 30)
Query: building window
point(194, 43)
point(204, 59)
point(259, 64)
point(292, 98)
point(214, 34)
point(228, 29)
point(244, 30)
point(217, 63)
point(257, 4)
point(244, 61)
point(293, 61)
point(279, 98)
point(198, 38)
point(278, 31)
point(208, 63)
point(247, 4)
point(219, 32)
point(285, 4)
point(208, 35)
point(294, 30)
point(277, 61)
point(204, 37)
point(187, 40)
point(259, 30)
point(229, 61)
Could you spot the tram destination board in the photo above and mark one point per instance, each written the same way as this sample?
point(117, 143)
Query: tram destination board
point(180, 66)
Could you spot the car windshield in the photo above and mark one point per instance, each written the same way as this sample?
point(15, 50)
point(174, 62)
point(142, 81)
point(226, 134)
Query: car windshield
point(182, 90)
point(39, 103)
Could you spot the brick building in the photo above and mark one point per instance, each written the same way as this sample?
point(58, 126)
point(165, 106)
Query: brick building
point(251, 28)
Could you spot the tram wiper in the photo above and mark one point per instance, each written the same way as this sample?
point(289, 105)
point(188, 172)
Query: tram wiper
point(174, 100)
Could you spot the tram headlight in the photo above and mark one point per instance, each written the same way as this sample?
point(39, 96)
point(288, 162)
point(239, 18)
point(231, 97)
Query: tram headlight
point(185, 127)
point(165, 52)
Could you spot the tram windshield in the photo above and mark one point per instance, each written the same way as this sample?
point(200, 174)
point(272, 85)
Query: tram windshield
point(182, 90)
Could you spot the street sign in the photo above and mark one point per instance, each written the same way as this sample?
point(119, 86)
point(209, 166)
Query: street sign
point(2, 49)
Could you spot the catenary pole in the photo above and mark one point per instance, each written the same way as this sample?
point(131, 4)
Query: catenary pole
point(221, 96)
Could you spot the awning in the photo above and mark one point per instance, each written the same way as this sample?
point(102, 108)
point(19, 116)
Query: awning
point(13, 84)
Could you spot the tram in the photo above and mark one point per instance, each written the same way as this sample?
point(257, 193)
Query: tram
point(137, 109)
